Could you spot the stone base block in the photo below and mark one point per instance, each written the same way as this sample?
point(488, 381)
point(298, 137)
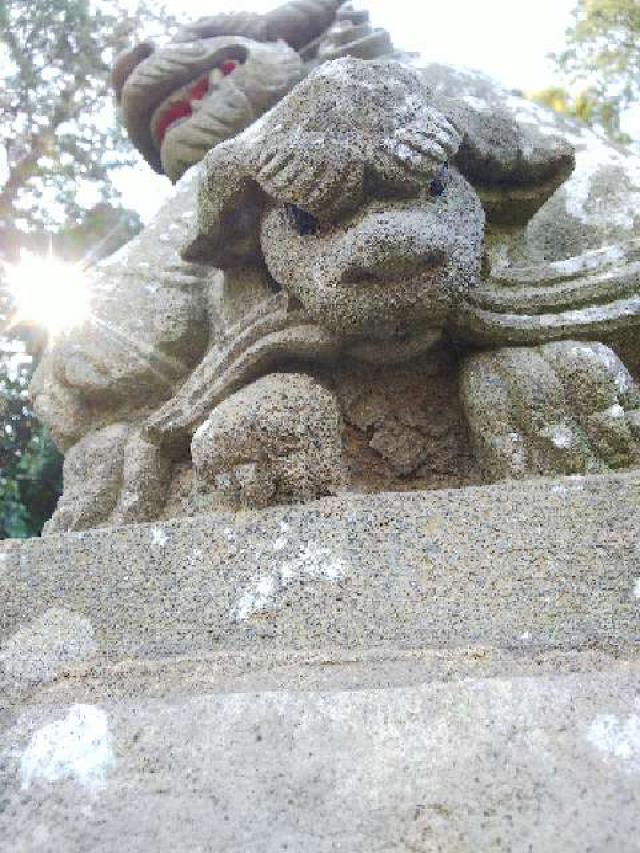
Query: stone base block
point(452, 671)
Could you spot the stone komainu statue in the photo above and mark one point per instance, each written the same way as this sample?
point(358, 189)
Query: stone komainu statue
point(153, 313)
point(414, 292)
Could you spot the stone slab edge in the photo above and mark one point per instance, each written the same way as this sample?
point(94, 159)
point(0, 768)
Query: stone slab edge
point(551, 564)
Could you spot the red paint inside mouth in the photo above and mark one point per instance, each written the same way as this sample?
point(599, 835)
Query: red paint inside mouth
point(183, 109)
point(229, 66)
point(200, 89)
point(180, 109)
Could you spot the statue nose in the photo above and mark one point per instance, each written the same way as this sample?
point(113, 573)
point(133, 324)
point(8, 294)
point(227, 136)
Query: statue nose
point(388, 248)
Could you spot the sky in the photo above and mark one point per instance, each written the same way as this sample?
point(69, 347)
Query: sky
point(508, 39)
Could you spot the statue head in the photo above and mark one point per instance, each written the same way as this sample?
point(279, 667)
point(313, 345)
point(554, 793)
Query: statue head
point(352, 193)
point(221, 73)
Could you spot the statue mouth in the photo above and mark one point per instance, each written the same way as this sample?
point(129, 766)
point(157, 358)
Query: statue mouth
point(418, 272)
point(181, 104)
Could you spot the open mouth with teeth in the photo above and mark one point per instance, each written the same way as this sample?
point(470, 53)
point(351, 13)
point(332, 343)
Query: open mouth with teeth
point(181, 105)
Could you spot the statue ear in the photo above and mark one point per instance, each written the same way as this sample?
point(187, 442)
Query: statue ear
point(125, 62)
point(513, 167)
point(229, 207)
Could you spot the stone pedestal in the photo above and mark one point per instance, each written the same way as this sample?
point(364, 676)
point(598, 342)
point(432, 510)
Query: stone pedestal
point(451, 670)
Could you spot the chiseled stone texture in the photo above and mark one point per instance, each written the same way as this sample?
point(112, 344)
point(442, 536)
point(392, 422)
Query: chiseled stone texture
point(366, 218)
point(46, 647)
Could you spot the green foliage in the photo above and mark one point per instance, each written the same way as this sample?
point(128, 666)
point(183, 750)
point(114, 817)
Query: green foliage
point(30, 465)
point(603, 56)
point(589, 107)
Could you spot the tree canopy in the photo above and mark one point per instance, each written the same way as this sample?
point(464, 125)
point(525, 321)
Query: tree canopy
point(59, 140)
point(601, 62)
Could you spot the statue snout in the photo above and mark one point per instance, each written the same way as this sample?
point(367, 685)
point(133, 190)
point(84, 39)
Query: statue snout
point(392, 247)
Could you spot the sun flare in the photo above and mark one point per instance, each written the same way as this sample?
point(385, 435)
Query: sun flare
point(48, 292)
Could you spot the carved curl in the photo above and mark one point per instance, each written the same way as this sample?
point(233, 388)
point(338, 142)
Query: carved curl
point(297, 23)
point(352, 127)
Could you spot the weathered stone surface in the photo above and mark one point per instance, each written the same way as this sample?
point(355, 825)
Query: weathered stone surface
point(147, 328)
point(547, 565)
point(45, 648)
point(567, 405)
point(279, 440)
point(414, 293)
point(596, 207)
point(369, 219)
point(341, 191)
point(453, 670)
point(546, 763)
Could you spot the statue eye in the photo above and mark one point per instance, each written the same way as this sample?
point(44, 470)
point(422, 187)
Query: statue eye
point(304, 223)
point(439, 184)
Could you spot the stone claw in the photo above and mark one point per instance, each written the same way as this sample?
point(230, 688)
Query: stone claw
point(560, 408)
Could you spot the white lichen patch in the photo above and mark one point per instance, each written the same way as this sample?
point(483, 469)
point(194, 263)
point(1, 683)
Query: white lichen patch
point(636, 588)
point(158, 537)
point(609, 360)
point(560, 435)
point(77, 748)
point(589, 261)
point(314, 562)
point(581, 202)
point(563, 438)
point(619, 738)
point(616, 412)
point(558, 489)
point(257, 597)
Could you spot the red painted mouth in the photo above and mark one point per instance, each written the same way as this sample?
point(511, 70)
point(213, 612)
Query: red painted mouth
point(183, 108)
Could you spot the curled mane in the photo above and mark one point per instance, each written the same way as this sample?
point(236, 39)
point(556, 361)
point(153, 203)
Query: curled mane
point(349, 126)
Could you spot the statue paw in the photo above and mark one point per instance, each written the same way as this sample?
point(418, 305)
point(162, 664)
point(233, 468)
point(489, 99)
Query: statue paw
point(561, 408)
point(279, 440)
point(92, 481)
point(111, 476)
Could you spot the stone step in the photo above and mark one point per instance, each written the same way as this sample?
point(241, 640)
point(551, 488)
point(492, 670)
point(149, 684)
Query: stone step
point(547, 565)
point(548, 763)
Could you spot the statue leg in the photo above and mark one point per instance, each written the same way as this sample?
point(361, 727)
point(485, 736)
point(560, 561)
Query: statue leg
point(279, 440)
point(92, 480)
point(146, 471)
point(111, 476)
point(561, 408)
point(604, 396)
